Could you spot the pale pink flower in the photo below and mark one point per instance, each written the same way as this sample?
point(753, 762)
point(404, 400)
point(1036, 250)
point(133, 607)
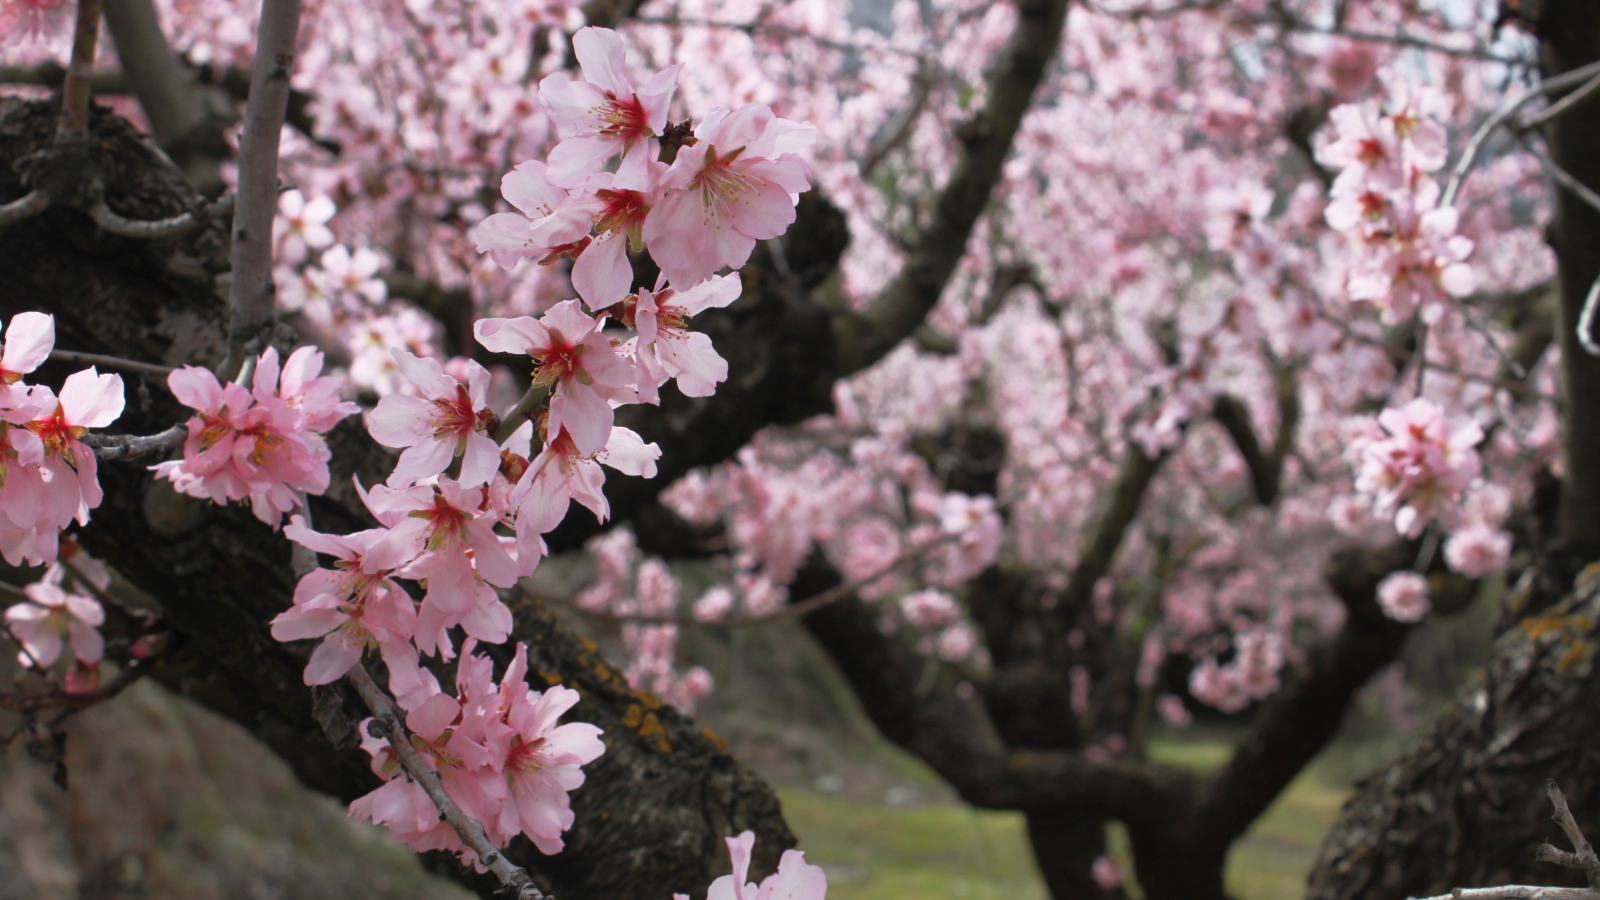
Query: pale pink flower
point(602, 274)
point(795, 879)
point(929, 610)
point(1403, 596)
point(530, 232)
point(71, 486)
point(735, 186)
point(541, 761)
point(352, 277)
point(604, 114)
point(357, 610)
point(714, 604)
point(1172, 711)
point(302, 225)
point(30, 336)
point(1477, 550)
point(448, 421)
point(562, 473)
point(572, 358)
point(34, 20)
point(1417, 463)
point(442, 534)
point(52, 619)
point(666, 348)
point(305, 389)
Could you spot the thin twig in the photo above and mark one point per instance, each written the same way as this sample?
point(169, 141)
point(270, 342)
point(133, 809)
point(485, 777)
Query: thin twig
point(1583, 856)
point(783, 613)
point(1518, 892)
point(514, 880)
point(1563, 177)
point(24, 207)
point(1469, 158)
point(123, 446)
point(1561, 107)
point(303, 559)
point(1586, 321)
point(57, 698)
point(112, 362)
point(159, 228)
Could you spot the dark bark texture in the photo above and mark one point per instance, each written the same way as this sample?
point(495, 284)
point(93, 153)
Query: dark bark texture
point(651, 817)
point(1466, 807)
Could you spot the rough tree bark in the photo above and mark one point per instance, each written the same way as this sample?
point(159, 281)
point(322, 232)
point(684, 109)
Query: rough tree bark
point(651, 818)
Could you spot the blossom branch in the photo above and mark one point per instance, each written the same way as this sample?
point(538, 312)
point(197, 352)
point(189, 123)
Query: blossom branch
point(514, 880)
point(253, 299)
point(122, 446)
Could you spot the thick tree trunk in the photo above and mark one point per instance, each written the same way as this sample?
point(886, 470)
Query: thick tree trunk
point(651, 817)
point(1466, 807)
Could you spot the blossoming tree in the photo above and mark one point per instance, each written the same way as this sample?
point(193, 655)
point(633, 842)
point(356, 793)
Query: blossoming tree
point(1110, 366)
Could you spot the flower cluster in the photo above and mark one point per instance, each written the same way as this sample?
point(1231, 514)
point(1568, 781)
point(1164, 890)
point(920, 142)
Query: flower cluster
point(730, 183)
point(1410, 255)
point(48, 477)
point(262, 443)
point(499, 753)
point(1414, 463)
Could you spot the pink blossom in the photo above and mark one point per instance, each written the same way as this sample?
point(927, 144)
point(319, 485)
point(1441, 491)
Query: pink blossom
point(562, 473)
point(714, 604)
point(604, 114)
point(1404, 596)
point(449, 421)
point(34, 20)
point(1477, 550)
point(1417, 463)
point(572, 357)
point(71, 487)
point(53, 619)
point(1172, 711)
point(444, 535)
point(508, 237)
point(357, 610)
point(666, 348)
point(929, 609)
point(795, 879)
point(541, 761)
point(735, 186)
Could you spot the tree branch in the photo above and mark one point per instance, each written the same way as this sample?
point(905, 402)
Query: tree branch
point(253, 300)
point(514, 880)
point(863, 338)
point(122, 446)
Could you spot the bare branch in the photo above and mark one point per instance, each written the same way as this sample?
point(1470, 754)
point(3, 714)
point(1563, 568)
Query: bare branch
point(75, 92)
point(160, 228)
point(72, 702)
point(1469, 157)
point(513, 878)
point(253, 301)
point(531, 400)
point(166, 89)
point(32, 204)
point(862, 339)
point(112, 362)
point(122, 446)
point(1518, 892)
point(1563, 106)
point(1586, 321)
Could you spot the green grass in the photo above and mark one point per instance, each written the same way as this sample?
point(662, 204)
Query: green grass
point(876, 852)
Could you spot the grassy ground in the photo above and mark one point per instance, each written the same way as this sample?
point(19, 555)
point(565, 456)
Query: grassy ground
point(874, 851)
